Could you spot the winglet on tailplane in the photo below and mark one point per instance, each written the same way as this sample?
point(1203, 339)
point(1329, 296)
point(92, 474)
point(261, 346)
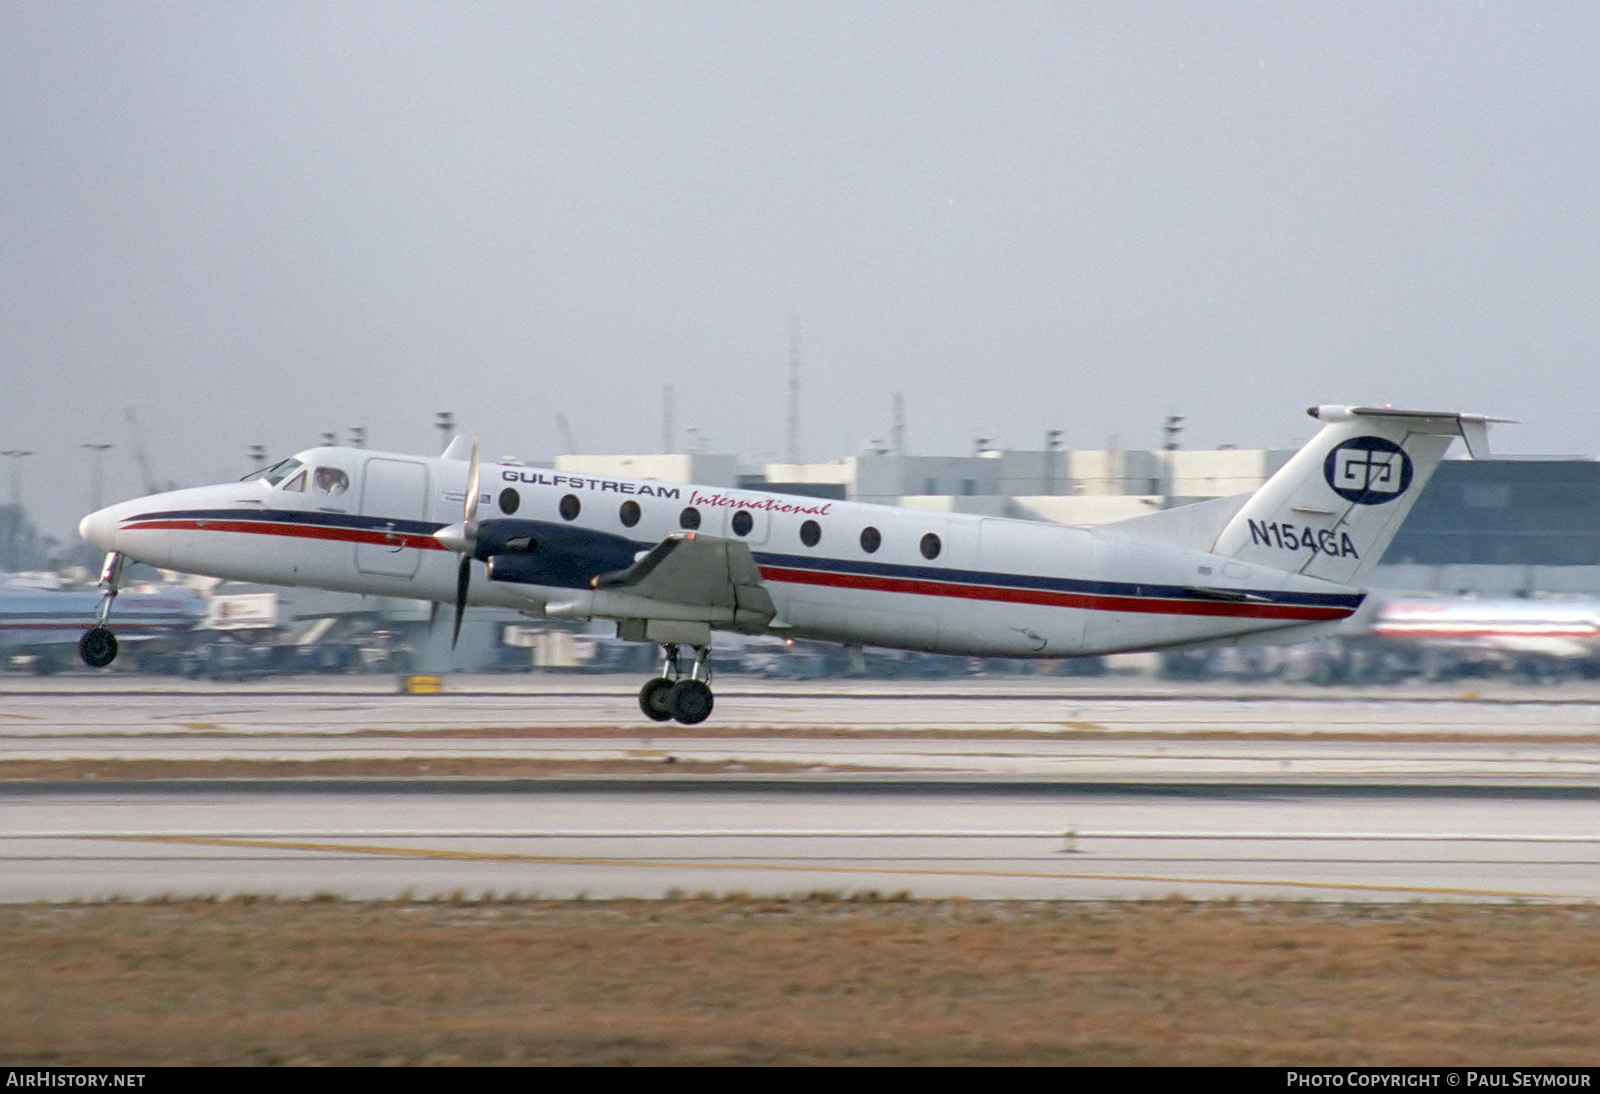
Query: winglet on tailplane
point(1331, 511)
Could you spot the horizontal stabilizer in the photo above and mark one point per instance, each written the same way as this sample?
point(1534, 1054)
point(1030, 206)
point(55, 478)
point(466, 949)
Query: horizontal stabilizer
point(1473, 429)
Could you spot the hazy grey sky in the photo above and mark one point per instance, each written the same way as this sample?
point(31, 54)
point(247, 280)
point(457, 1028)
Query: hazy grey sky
point(256, 222)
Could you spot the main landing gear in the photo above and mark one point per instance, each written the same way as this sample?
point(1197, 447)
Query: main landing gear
point(668, 697)
point(98, 646)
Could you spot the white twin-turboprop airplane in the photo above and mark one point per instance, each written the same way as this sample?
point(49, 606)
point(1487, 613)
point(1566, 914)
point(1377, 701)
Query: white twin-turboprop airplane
point(672, 563)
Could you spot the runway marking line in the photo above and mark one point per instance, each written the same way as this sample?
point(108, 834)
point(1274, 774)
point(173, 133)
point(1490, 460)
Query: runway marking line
point(570, 860)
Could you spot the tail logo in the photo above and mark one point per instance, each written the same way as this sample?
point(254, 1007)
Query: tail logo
point(1368, 470)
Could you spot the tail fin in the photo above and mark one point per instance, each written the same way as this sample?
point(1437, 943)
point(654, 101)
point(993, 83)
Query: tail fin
point(1331, 511)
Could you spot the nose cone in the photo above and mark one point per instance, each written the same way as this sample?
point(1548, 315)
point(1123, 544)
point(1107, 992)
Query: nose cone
point(100, 529)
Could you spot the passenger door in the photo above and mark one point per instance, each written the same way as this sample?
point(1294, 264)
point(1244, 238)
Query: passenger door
point(393, 493)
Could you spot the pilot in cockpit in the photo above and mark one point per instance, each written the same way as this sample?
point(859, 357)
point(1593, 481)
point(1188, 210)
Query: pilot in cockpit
point(330, 481)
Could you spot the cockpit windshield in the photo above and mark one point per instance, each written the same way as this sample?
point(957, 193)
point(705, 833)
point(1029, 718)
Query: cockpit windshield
point(277, 472)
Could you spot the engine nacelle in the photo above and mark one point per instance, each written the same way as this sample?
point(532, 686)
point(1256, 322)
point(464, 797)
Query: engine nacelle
point(537, 552)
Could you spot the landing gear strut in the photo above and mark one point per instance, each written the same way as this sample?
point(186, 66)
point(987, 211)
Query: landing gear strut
point(669, 696)
point(98, 646)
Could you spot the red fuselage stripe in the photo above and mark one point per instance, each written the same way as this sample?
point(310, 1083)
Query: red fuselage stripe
point(1085, 601)
point(297, 531)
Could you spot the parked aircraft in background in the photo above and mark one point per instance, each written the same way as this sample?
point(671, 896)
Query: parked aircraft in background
point(672, 563)
point(1554, 627)
point(44, 624)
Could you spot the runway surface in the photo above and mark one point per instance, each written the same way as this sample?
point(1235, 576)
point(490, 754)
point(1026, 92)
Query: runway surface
point(983, 789)
point(317, 705)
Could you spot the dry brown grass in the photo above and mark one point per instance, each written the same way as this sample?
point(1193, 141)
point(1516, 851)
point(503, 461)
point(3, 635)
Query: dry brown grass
point(799, 981)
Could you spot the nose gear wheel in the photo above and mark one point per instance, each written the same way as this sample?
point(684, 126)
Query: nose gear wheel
point(97, 647)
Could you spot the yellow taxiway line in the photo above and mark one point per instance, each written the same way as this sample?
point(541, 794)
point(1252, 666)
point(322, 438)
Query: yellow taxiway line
point(441, 854)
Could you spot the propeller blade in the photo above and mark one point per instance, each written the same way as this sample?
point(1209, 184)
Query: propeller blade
point(470, 516)
point(463, 578)
point(463, 538)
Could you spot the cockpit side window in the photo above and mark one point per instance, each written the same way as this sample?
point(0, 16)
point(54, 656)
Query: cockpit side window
point(281, 470)
point(330, 481)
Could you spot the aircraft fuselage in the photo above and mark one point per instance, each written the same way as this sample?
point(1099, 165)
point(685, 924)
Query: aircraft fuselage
point(366, 522)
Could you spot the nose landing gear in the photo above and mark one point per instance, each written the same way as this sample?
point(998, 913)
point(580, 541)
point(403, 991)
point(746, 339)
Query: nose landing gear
point(98, 646)
point(669, 697)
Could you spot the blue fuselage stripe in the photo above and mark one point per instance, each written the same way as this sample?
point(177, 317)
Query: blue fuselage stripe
point(344, 522)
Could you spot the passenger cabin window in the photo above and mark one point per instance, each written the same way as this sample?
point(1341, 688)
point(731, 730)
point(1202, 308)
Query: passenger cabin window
point(810, 533)
point(930, 546)
point(510, 501)
point(629, 514)
point(689, 518)
point(743, 522)
point(871, 539)
point(330, 481)
point(570, 506)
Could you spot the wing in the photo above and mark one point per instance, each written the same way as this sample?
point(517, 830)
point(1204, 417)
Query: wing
point(690, 570)
point(696, 580)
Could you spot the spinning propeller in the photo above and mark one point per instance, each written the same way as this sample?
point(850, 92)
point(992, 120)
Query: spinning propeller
point(463, 540)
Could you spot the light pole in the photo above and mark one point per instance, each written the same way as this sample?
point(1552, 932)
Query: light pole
point(16, 455)
point(14, 525)
point(1052, 445)
point(96, 469)
point(1173, 427)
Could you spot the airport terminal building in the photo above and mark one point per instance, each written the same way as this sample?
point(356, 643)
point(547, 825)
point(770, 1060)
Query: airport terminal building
point(1501, 526)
